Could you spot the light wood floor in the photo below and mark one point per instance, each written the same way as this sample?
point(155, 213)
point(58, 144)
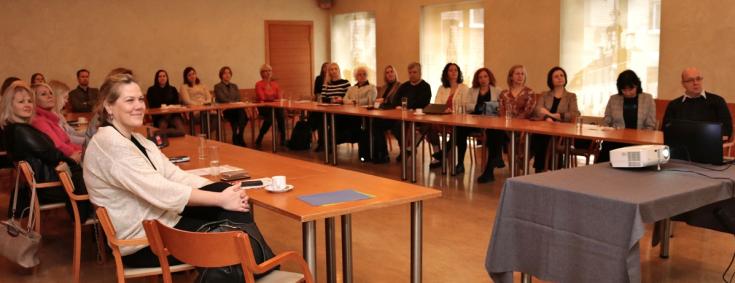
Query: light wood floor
point(457, 229)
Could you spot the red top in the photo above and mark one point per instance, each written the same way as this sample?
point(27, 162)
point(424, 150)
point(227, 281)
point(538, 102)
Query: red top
point(48, 123)
point(267, 91)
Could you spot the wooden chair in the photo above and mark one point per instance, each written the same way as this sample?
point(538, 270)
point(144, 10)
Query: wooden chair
point(65, 178)
point(30, 179)
point(122, 272)
point(217, 250)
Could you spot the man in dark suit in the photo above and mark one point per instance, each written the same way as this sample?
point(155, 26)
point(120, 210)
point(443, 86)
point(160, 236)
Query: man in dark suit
point(699, 105)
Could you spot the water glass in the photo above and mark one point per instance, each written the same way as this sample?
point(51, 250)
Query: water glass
point(213, 160)
point(508, 112)
point(202, 146)
point(579, 123)
point(404, 103)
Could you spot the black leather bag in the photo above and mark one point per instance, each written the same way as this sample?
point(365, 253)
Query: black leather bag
point(234, 273)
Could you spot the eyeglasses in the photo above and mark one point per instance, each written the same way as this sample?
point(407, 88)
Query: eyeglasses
point(695, 79)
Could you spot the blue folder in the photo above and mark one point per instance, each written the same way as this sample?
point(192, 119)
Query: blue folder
point(334, 197)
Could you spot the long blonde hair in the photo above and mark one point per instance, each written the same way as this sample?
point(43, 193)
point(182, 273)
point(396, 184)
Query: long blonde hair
point(60, 90)
point(6, 113)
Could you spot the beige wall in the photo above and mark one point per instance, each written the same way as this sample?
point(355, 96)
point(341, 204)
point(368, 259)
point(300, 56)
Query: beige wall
point(527, 32)
point(58, 37)
point(47, 36)
point(516, 32)
point(702, 34)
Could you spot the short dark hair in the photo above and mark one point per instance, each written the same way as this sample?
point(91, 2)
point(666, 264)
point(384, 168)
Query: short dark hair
point(628, 79)
point(33, 77)
point(550, 79)
point(476, 80)
point(445, 74)
point(222, 71)
point(186, 81)
point(80, 71)
point(155, 78)
point(7, 82)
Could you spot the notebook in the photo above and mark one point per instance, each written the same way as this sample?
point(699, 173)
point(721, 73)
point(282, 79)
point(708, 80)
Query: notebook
point(334, 197)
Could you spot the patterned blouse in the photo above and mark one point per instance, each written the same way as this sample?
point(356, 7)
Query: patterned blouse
point(521, 105)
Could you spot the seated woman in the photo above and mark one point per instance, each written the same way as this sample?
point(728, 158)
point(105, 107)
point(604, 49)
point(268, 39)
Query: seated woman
point(387, 100)
point(225, 92)
point(630, 108)
point(267, 90)
point(453, 93)
point(483, 90)
point(24, 142)
point(61, 94)
point(360, 94)
point(519, 101)
point(555, 105)
point(333, 90)
point(46, 121)
point(161, 92)
point(195, 93)
point(129, 176)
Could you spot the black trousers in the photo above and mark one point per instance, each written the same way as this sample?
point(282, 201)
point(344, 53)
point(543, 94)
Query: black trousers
point(238, 120)
point(495, 139)
point(461, 135)
point(265, 112)
point(192, 218)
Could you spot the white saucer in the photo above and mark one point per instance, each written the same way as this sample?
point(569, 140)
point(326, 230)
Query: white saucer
point(419, 114)
point(286, 189)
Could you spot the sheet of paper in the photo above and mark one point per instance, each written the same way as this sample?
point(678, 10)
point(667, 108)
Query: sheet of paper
point(206, 170)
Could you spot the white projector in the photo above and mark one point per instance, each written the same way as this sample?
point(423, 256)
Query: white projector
point(639, 156)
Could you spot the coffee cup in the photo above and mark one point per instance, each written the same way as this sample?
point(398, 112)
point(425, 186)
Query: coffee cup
point(278, 183)
point(82, 120)
point(419, 111)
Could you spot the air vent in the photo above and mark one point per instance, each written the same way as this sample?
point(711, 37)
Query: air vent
point(634, 156)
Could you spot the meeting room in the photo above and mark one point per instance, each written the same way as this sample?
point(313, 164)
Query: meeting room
point(367, 141)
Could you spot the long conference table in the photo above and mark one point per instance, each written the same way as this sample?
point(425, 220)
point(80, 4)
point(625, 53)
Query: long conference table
point(309, 178)
point(408, 120)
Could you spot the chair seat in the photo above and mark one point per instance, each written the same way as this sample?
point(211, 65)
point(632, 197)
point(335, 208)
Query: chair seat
point(133, 272)
point(278, 276)
point(52, 205)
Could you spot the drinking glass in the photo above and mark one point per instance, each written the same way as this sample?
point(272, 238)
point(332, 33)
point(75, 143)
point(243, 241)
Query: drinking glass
point(213, 160)
point(202, 146)
point(404, 103)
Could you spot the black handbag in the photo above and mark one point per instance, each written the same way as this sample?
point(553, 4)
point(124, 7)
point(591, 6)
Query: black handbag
point(234, 273)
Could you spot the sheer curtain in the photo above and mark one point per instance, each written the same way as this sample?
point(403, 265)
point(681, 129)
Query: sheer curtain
point(353, 43)
point(452, 33)
point(600, 39)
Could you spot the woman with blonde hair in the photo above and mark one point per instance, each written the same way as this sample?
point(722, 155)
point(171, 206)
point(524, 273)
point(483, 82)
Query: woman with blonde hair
point(61, 91)
point(46, 121)
point(129, 176)
point(26, 143)
point(267, 90)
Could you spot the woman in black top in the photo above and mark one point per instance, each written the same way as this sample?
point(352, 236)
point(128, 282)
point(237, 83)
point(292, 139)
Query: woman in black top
point(555, 105)
point(483, 90)
point(319, 80)
point(25, 143)
point(161, 92)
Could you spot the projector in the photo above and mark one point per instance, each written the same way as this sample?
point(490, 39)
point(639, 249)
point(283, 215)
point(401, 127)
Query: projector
point(639, 156)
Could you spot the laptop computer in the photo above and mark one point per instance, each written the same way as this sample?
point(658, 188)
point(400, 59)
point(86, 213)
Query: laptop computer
point(694, 141)
point(436, 109)
point(491, 108)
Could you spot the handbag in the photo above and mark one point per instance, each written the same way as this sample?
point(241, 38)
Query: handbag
point(234, 273)
point(17, 243)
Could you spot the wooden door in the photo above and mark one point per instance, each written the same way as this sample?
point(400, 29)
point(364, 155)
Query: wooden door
point(289, 49)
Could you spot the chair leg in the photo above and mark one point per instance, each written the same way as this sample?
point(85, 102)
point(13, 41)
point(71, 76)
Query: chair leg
point(76, 258)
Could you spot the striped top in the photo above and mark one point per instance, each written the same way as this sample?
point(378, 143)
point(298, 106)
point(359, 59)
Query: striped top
point(336, 88)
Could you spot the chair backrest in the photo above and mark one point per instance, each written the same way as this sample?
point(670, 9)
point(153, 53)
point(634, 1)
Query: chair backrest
point(200, 249)
point(66, 182)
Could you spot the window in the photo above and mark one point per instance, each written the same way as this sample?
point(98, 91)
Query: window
point(600, 39)
point(452, 33)
point(353, 43)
